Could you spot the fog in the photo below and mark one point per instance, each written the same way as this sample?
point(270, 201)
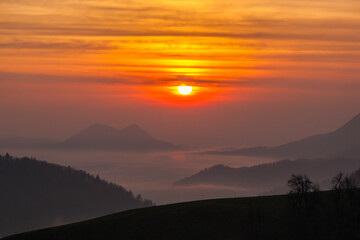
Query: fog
point(150, 174)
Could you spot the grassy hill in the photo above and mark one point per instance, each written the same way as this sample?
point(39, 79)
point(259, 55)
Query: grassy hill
point(332, 216)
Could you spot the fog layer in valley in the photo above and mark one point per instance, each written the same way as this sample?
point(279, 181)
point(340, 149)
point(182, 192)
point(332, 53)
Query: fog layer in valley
point(149, 174)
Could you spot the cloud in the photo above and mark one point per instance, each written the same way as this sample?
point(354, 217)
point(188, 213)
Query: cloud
point(225, 43)
point(30, 77)
point(123, 30)
point(73, 45)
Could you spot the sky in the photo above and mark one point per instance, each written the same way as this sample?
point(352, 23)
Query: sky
point(263, 72)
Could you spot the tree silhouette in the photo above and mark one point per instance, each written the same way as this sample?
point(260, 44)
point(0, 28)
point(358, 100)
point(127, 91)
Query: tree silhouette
point(344, 186)
point(302, 191)
point(343, 182)
point(301, 184)
point(337, 182)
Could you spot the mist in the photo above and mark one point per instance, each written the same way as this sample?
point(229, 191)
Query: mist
point(149, 174)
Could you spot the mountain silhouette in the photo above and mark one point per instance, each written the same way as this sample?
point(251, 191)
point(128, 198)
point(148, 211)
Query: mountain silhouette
point(99, 137)
point(270, 175)
point(102, 137)
point(344, 142)
point(37, 194)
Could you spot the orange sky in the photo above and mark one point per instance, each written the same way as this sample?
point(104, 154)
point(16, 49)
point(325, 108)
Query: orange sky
point(119, 54)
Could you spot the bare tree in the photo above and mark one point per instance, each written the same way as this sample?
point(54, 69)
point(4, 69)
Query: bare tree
point(349, 183)
point(342, 182)
point(337, 182)
point(302, 191)
point(345, 196)
point(301, 184)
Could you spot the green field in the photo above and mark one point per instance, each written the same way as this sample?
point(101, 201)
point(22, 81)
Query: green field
point(330, 216)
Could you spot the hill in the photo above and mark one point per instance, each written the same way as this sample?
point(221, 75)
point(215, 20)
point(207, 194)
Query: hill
point(272, 217)
point(98, 137)
point(36, 194)
point(270, 175)
point(344, 142)
point(103, 137)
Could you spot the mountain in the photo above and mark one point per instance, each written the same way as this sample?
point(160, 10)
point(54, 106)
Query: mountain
point(36, 194)
point(344, 142)
point(270, 175)
point(102, 137)
point(274, 217)
point(99, 137)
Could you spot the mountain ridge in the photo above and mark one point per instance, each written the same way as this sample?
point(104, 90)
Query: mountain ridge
point(99, 137)
point(342, 142)
point(272, 174)
point(40, 194)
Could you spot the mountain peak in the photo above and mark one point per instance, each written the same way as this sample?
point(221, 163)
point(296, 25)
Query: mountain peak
point(135, 131)
point(99, 136)
point(356, 119)
point(353, 125)
point(92, 132)
point(99, 128)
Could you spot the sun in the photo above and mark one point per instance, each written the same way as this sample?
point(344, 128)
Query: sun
point(184, 90)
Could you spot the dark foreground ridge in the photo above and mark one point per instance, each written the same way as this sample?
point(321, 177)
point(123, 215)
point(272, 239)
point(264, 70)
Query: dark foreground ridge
point(328, 215)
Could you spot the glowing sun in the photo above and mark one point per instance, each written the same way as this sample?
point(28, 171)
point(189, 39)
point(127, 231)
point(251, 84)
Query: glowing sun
point(184, 90)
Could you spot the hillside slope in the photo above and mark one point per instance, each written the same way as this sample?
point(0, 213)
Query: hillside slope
point(344, 142)
point(36, 194)
point(243, 218)
point(270, 175)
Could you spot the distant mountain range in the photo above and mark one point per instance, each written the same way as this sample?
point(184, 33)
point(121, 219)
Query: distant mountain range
point(268, 176)
point(344, 142)
point(37, 194)
point(98, 137)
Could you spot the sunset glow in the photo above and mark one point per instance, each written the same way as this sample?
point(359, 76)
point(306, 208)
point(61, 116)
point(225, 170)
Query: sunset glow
point(177, 101)
point(184, 90)
point(125, 57)
point(226, 46)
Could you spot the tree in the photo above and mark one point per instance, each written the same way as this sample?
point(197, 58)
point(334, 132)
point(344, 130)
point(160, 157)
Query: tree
point(342, 182)
point(301, 184)
point(345, 195)
point(302, 191)
point(337, 182)
point(349, 183)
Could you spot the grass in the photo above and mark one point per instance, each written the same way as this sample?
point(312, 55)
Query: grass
point(270, 217)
